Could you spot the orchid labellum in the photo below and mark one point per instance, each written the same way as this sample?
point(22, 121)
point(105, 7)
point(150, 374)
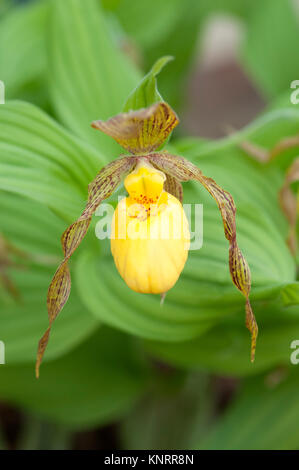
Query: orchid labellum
point(147, 263)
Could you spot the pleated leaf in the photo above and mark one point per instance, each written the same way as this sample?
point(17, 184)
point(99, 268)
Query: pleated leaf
point(35, 231)
point(289, 203)
point(264, 416)
point(223, 349)
point(93, 385)
point(39, 159)
point(272, 26)
point(23, 57)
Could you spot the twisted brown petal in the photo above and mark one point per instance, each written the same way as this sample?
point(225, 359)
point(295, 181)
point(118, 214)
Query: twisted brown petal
point(174, 187)
point(289, 203)
point(140, 131)
point(183, 170)
point(59, 290)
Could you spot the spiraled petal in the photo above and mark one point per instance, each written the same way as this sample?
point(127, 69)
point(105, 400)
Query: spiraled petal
point(183, 170)
point(102, 187)
point(143, 130)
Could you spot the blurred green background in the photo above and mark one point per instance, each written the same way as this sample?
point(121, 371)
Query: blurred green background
point(120, 370)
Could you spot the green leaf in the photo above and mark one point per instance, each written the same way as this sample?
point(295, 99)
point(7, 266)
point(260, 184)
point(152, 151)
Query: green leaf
point(231, 7)
point(23, 59)
point(270, 51)
point(39, 159)
point(283, 100)
point(170, 28)
point(90, 78)
point(264, 416)
point(36, 231)
point(224, 349)
point(93, 385)
point(146, 93)
point(4, 6)
point(148, 21)
point(290, 294)
point(128, 310)
point(171, 414)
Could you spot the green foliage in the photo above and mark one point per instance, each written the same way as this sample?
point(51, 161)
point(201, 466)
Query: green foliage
point(90, 79)
point(290, 294)
point(234, 7)
point(95, 383)
point(23, 55)
point(156, 25)
point(223, 348)
point(174, 415)
point(35, 230)
point(38, 159)
point(146, 93)
point(264, 416)
point(171, 28)
point(68, 58)
point(271, 48)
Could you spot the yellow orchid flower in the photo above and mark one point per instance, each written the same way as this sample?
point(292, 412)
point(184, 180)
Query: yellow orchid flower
point(150, 234)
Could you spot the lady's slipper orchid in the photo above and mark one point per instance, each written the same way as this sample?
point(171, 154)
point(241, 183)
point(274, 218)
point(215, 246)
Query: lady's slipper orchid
point(153, 180)
point(150, 233)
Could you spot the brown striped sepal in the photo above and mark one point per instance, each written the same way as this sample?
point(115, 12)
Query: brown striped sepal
point(174, 187)
point(101, 188)
point(183, 170)
point(141, 131)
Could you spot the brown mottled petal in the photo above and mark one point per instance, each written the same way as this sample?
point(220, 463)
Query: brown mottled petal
point(143, 130)
point(289, 203)
point(101, 188)
point(174, 187)
point(183, 170)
